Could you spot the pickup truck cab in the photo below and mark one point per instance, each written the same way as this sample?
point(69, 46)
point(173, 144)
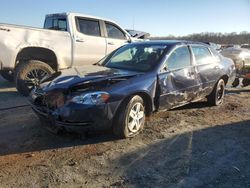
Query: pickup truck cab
point(28, 54)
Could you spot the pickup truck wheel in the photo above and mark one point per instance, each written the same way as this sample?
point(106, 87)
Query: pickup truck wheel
point(130, 118)
point(29, 74)
point(7, 76)
point(217, 96)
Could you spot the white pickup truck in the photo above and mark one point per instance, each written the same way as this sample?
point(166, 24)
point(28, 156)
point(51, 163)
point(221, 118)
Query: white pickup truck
point(68, 39)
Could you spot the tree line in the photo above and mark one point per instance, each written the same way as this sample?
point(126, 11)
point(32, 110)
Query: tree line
point(219, 38)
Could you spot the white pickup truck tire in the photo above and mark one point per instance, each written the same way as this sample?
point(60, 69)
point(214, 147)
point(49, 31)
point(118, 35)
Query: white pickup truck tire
point(29, 73)
point(7, 76)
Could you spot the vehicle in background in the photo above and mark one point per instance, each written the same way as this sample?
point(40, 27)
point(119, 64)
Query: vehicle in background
point(138, 34)
point(213, 45)
point(131, 83)
point(241, 58)
point(224, 46)
point(247, 46)
point(68, 39)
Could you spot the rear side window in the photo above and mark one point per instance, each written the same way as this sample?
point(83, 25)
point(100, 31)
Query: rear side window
point(55, 23)
point(114, 32)
point(179, 58)
point(202, 54)
point(89, 27)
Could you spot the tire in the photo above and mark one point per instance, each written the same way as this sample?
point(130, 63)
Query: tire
point(126, 126)
point(7, 76)
point(217, 96)
point(29, 73)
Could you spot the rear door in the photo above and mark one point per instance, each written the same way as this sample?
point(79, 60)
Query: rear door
point(208, 67)
point(116, 37)
point(178, 79)
point(90, 43)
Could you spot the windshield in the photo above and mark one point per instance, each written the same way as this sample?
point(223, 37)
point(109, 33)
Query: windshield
point(135, 57)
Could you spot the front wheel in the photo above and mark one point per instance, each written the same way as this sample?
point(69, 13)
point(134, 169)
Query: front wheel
point(217, 96)
point(28, 74)
point(130, 118)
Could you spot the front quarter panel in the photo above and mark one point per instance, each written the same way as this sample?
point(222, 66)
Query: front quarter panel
point(140, 84)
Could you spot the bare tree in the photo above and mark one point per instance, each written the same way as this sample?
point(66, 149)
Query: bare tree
point(220, 38)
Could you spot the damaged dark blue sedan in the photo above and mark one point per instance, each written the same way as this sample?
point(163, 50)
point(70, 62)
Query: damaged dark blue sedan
point(131, 83)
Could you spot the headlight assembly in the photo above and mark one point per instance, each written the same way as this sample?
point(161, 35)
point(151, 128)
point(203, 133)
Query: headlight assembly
point(93, 98)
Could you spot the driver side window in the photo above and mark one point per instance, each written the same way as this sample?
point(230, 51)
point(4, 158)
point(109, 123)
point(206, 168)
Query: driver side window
point(179, 58)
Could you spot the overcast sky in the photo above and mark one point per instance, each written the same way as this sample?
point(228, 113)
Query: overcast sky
point(158, 17)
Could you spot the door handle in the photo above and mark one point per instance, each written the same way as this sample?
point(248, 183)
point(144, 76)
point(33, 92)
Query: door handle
point(111, 43)
point(79, 40)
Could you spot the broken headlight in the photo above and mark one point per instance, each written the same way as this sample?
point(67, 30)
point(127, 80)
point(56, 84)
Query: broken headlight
point(94, 98)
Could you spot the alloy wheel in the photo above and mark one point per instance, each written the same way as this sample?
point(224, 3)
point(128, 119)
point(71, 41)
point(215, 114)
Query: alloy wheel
point(34, 77)
point(136, 118)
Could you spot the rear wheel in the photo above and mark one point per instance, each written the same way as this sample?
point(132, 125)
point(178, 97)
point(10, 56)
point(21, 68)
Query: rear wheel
point(7, 75)
point(130, 118)
point(217, 96)
point(28, 74)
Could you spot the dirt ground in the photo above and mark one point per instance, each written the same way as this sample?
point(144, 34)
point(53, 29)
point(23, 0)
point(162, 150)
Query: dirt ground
point(192, 146)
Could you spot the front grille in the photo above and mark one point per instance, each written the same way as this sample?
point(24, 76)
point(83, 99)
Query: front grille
point(54, 100)
point(51, 100)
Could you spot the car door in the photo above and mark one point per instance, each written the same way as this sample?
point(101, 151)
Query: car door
point(89, 42)
point(208, 68)
point(115, 37)
point(178, 79)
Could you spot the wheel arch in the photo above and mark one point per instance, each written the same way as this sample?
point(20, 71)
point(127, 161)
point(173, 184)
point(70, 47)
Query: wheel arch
point(225, 78)
point(146, 98)
point(38, 53)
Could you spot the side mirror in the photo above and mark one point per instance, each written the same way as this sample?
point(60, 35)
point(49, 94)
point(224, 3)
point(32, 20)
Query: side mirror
point(164, 69)
point(129, 39)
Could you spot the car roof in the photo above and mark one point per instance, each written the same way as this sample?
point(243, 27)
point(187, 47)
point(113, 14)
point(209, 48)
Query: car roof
point(79, 15)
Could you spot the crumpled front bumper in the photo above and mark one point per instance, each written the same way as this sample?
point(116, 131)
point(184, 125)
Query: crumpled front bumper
point(78, 117)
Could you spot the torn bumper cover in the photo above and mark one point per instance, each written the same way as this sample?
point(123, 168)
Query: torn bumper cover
point(75, 117)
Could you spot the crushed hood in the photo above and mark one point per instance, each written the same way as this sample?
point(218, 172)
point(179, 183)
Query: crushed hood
point(83, 75)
